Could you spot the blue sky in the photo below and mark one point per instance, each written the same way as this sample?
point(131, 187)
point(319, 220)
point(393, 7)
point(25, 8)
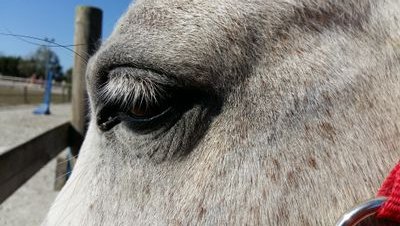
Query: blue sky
point(52, 19)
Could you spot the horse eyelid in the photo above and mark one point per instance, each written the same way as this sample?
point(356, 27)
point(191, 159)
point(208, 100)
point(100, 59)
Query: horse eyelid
point(110, 123)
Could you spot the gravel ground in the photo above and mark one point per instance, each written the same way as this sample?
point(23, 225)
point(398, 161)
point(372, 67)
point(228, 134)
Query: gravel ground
point(18, 124)
point(30, 203)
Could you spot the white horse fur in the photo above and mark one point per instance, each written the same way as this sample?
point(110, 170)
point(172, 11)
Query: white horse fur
point(284, 112)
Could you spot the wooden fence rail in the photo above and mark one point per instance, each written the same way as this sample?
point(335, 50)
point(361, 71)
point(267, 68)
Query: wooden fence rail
point(18, 164)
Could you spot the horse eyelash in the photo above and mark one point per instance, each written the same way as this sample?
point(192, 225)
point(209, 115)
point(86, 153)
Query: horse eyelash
point(125, 93)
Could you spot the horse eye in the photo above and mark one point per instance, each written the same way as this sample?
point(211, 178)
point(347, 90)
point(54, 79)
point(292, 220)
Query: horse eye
point(143, 111)
point(109, 117)
point(139, 111)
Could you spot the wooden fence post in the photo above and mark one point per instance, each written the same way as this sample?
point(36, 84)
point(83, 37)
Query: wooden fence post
point(88, 23)
point(26, 94)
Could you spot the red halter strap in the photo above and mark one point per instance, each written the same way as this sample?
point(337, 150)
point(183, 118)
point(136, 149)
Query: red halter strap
point(391, 189)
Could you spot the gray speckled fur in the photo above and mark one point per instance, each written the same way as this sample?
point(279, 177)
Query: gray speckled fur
point(308, 97)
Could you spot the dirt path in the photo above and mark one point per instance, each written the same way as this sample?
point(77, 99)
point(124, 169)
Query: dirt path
point(30, 203)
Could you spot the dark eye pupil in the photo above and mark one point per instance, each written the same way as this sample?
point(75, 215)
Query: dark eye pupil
point(147, 111)
point(139, 111)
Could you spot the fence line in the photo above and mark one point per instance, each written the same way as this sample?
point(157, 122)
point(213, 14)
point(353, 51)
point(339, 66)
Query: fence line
point(58, 87)
point(26, 91)
point(18, 164)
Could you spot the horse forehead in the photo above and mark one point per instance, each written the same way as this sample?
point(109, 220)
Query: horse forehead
point(161, 14)
point(183, 38)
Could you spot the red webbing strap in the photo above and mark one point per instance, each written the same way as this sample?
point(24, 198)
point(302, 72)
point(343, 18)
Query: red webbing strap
point(391, 189)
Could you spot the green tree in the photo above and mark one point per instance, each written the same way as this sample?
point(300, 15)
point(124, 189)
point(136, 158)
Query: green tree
point(27, 67)
point(38, 63)
point(45, 57)
point(68, 75)
point(9, 65)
